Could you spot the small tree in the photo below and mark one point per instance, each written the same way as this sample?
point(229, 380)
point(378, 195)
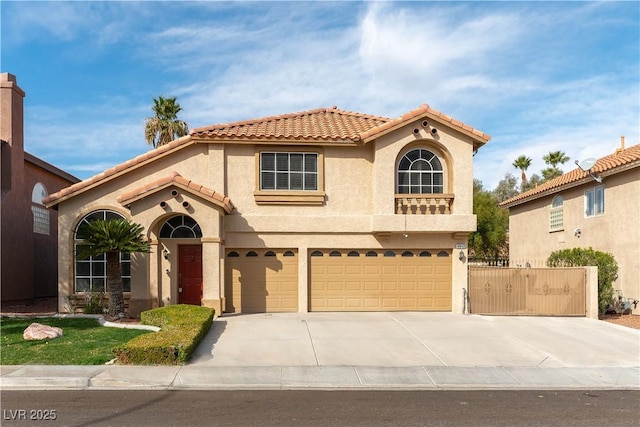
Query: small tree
point(490, 238)
point(112, 237)
point(607, 269)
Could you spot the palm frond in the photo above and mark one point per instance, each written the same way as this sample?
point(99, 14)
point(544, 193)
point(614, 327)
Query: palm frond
point(112, 235)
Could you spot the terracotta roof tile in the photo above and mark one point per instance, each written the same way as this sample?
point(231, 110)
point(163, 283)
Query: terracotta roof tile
point(619, 161)
point(175, 178)
point(319, 125)
point(422, 111)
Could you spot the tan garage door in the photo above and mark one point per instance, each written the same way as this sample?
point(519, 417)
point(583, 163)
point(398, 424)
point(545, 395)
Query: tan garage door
point(261, 280)
point(375, 280)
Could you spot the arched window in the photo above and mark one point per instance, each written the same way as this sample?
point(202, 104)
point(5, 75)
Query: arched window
point(289, 253)
point(353, 253)
point(316, 253)
point(40, 213)
point(91, 272)
point(180, 227)
point(556, 214)
point(420, 172)
point(270, 254)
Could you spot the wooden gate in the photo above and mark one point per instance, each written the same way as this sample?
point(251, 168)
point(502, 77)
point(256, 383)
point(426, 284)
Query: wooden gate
point(527, 291)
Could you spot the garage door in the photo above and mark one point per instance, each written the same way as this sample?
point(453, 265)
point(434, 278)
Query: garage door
point(374, 280)
point(261, 280)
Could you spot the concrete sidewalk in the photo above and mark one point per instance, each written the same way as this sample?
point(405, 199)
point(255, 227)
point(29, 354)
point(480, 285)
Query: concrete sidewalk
point(377, 351)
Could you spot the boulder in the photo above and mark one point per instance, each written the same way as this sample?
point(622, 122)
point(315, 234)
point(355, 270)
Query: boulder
point(36, 331)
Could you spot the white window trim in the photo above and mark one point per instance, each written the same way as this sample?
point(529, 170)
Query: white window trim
point(593, 191)
point(556, 215)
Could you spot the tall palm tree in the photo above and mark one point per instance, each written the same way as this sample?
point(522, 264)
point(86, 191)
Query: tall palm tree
point(164, 126)
point(112, 237)
point(523, 162)
point(556, 157)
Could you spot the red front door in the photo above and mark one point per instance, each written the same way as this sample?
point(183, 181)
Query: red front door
point(190, 274)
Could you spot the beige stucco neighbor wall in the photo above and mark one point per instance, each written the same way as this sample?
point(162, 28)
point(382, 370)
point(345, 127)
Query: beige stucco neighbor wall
point(617, 231)
point(357, 213)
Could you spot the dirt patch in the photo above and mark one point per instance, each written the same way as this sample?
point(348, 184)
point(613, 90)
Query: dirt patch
point(34, 307)
point(628, 320)
point(41, 307)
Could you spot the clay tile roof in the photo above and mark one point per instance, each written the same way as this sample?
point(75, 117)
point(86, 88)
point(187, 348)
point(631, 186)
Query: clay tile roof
point(422, 111)
point(319, 125)
point(621, 160)
point(323, 125)
point(174, 178)
point(55, 198)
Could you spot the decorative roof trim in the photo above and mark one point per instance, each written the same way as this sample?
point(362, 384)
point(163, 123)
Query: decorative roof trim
point(424, 110)
point(175, 179)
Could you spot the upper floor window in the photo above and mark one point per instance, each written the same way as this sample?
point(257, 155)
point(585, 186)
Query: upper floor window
point(594, 201)
point(40, 213)
point(289, 171)
point(556, 214)
point(420, 172)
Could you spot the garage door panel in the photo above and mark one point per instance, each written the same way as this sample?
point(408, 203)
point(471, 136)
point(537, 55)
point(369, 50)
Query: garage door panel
point(267, 282)
point(380, 283)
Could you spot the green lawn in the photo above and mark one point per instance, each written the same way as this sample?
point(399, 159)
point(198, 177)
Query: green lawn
point(84, 342)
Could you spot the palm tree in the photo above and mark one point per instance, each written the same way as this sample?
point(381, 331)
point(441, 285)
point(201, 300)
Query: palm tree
point(164, 126)
point(112, 237)
point(555, 157)
point(523, 162)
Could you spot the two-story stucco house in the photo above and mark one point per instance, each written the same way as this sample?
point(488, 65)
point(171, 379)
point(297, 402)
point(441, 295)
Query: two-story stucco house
point(598, 208)
point(321, 210)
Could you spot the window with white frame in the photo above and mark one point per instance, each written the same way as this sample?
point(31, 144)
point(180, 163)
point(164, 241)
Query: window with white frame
point(289, 171)
point(91, 272)
point(556, 214)
point(41, 221)
point(420, 172)
point(594, 201)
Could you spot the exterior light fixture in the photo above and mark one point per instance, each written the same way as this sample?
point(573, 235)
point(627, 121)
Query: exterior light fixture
point(461, 256)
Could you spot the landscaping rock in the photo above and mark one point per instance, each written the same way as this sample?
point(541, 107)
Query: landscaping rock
point(36, 331)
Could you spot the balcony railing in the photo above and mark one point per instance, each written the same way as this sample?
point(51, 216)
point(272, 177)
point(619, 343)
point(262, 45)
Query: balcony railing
point(424, 204)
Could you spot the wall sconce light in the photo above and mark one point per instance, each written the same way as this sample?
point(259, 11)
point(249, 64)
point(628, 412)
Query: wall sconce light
point(577, 232)
point(165, 254)
point(461, 256)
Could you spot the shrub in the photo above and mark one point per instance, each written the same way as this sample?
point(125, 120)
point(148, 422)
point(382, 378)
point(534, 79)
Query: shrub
point(182, 329)
point(607, 269)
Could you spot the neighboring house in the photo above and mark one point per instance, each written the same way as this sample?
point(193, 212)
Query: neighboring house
point(575, 210)
point(29, 231)
point(321, 210)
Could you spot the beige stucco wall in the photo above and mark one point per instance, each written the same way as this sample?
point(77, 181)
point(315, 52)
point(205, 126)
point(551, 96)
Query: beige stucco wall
point(617, 231)
point(358, 212)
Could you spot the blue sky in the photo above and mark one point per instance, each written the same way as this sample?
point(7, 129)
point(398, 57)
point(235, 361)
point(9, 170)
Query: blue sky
point(536, 76)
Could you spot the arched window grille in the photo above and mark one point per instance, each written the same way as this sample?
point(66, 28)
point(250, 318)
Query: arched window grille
point(180, 227)
point(420, 172)
point(91, 273)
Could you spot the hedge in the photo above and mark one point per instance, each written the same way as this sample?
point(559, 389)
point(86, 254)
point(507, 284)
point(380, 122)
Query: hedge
point(182, 327)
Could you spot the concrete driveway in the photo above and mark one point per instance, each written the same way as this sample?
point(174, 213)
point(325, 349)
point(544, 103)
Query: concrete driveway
point(403, 339)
